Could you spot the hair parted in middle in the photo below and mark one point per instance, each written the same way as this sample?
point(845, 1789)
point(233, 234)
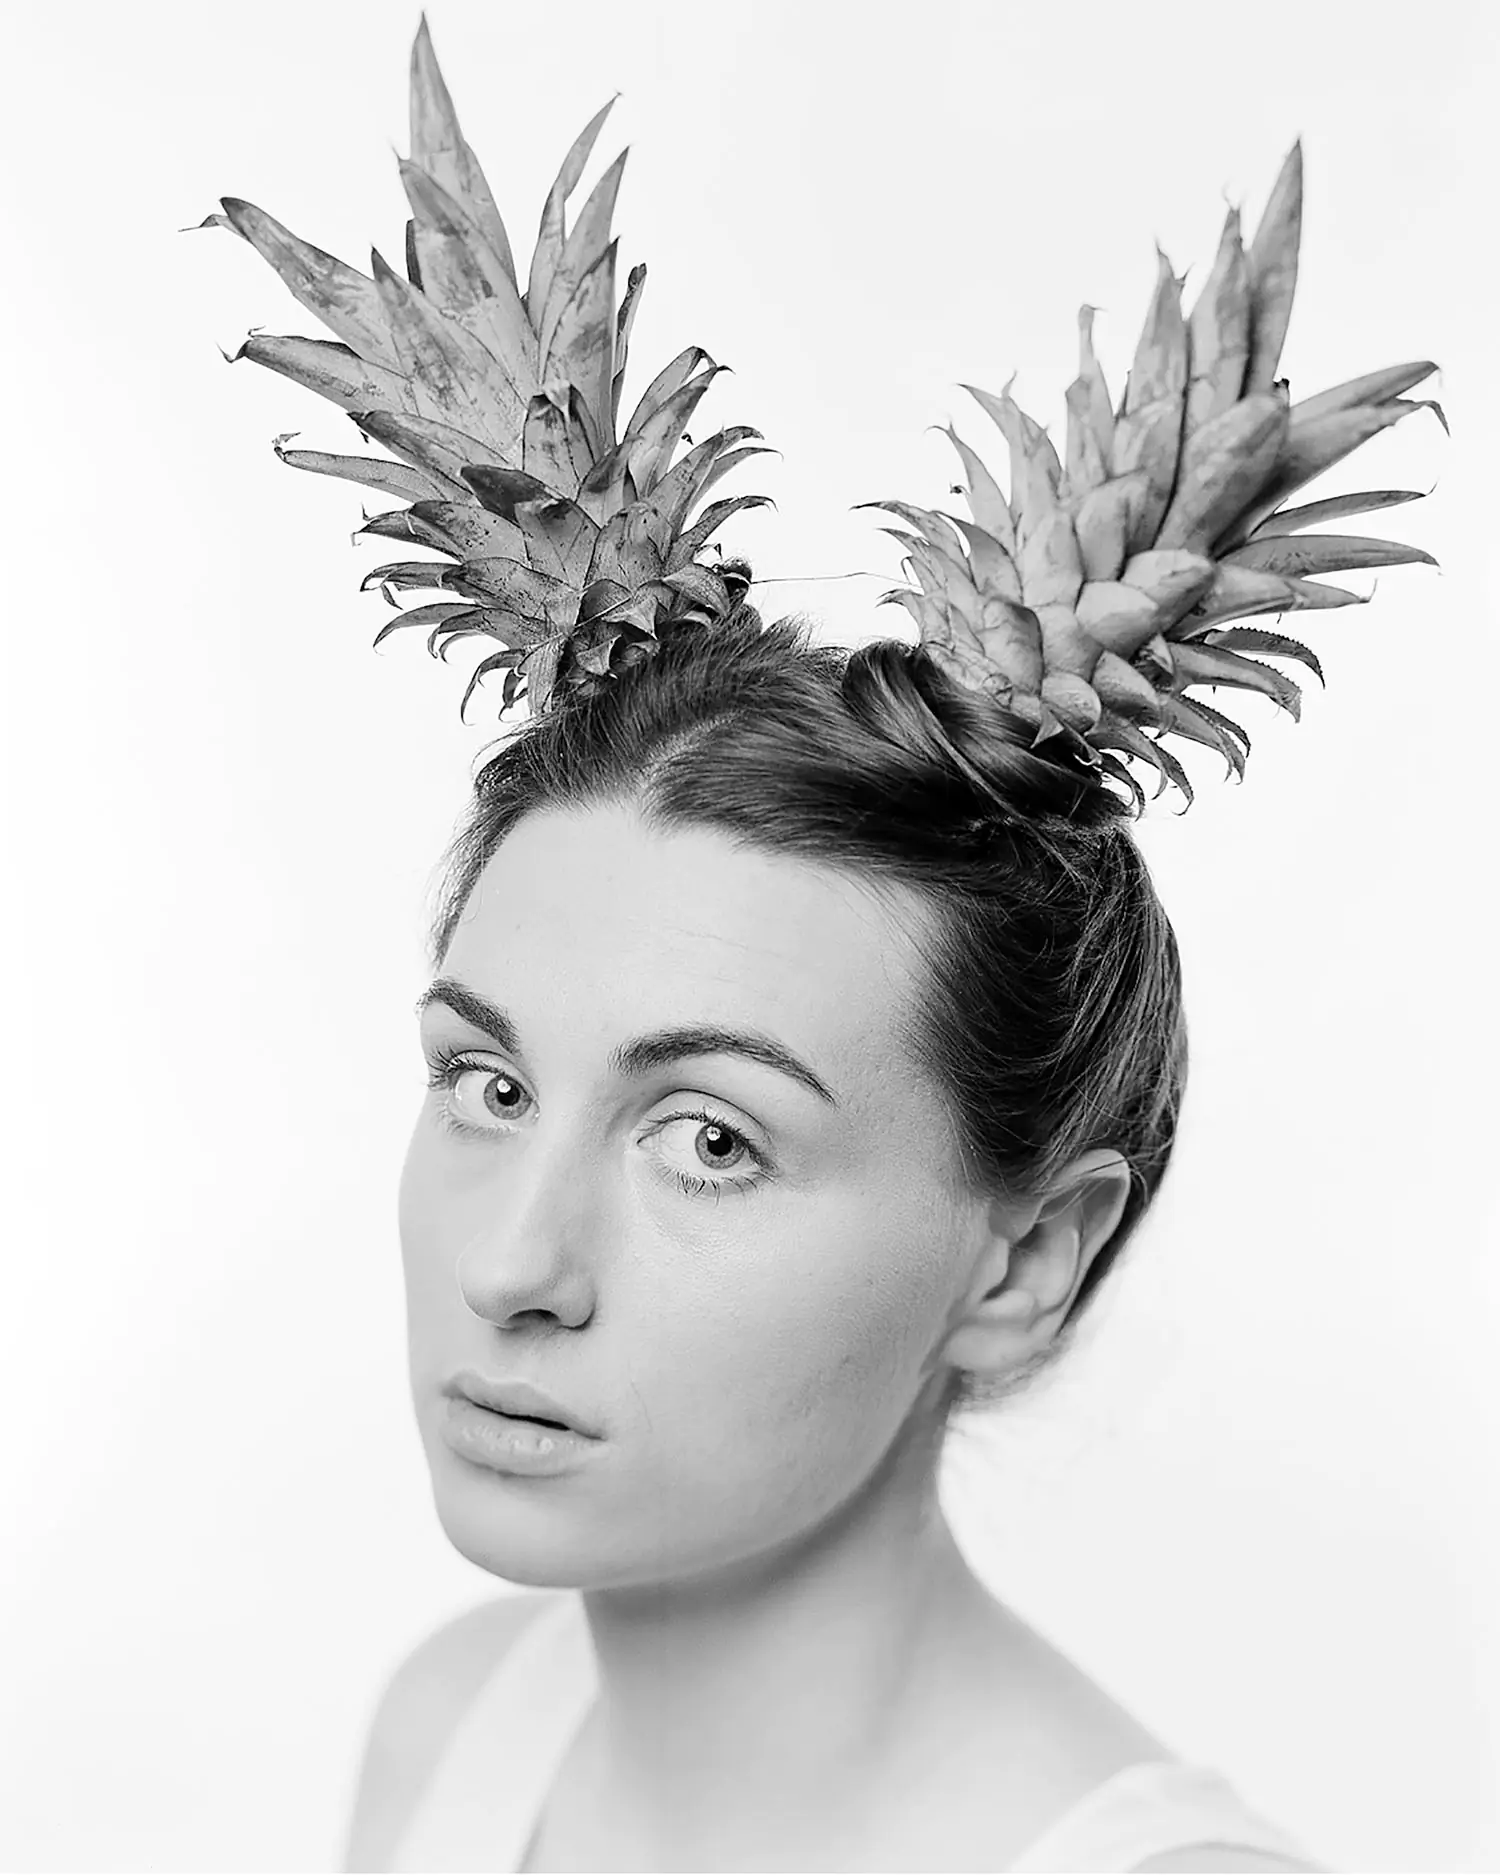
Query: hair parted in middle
point(1049, 1009)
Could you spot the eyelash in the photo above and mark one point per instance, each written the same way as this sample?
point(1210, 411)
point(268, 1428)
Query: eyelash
point(445, 1065)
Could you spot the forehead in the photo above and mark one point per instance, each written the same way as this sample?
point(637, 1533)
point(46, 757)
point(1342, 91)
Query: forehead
point(632, 924)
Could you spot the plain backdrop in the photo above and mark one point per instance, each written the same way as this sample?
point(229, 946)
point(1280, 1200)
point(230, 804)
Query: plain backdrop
point(1260, 1505)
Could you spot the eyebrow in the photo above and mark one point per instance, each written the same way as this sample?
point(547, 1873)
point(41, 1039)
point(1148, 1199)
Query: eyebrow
point(643, 1054)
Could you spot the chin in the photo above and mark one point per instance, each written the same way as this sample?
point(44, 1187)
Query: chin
point(557, 1533)
point(519, 1529)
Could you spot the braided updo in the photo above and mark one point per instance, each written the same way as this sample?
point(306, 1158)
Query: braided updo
point(1051, 1012)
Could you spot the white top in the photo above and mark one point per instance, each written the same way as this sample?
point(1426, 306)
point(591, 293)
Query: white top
point(481, 1806)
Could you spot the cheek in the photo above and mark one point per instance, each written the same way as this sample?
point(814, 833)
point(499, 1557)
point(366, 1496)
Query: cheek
point(821, 1336)
point(421, 1223)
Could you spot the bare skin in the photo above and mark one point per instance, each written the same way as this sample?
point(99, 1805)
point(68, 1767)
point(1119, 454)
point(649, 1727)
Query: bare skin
point(798, 1669)
point(917, 1723)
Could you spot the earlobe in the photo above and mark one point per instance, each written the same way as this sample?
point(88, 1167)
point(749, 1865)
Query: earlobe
point(996, 1328)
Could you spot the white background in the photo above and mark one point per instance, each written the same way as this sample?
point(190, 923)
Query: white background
point(1261, 1505)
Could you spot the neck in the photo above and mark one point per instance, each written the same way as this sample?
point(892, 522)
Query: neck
point(774, 1689)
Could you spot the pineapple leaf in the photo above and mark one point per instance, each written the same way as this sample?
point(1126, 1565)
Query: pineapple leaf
point(932, 526)
point(1087, 467)
point(521, 589)
point(438, 145)
point(1101, 412)
point(1219, 331)
point(1336, 508)
point(456, 265)
point(669, 380)
point(423, 442)
point(1149, 439)
point(1121, 687)
point(1104, 520)
point(467, 530)
point(1272, 266)
point(1311, 595)
point(690, 478)
point(408, 576)
point(702, 584)
point(653, 444)
point(1198, 663)
point(1298, 556)
point(1121, 618)
point(988, 506)
point(504, 490)
point(583, 435)
point(1159, 371)
point(561, 539)
point(1112, 765)
point(346, 300)
point(1051, 571)
point(1185, 716)
point(330, 369)
point(1375, 387)
point(404, 525)
point(1074, 699)
point(1115, 733)
point(994, 571)
point(463, 276)
point(552, 234)
point(444, 612)
point(1035, 472)
point(547, 446)
point(724, 464)
point(1236, 592)
point(1311, 446)
point(1270, 644)
point(623, 324)
point(452, 374)
point(498, 660)
point(1224, 466)
point(579, 348)
point(625, 550)
point(687, 546)
point(1171, 577)
point(390, 478)
point(585, 248)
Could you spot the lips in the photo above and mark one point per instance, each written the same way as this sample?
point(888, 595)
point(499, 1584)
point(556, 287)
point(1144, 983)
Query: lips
point(517, 1399)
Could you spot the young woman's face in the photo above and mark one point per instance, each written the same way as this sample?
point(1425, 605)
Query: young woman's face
point(745, 1307)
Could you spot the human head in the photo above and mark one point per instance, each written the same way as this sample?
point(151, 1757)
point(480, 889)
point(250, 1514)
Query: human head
point(849, 851)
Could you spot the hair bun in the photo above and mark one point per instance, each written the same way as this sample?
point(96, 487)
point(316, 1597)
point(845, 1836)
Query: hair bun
point(903, 691)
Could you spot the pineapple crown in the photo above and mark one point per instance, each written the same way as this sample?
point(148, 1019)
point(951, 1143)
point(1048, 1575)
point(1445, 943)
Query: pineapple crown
point(1101, 589)
point(574, 547)
point(1085, 602)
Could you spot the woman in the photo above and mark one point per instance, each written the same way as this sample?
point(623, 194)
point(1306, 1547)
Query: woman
point(805, 1044)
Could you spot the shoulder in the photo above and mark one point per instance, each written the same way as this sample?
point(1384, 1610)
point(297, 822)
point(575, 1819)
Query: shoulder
point(417, 1712)
point(1212, 1858)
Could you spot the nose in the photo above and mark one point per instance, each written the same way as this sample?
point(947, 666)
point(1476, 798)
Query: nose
point(528, 1260)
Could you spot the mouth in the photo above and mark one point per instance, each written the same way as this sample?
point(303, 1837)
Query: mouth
point(520, 1400)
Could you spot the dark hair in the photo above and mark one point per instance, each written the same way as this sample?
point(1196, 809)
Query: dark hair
point(1051, 1012)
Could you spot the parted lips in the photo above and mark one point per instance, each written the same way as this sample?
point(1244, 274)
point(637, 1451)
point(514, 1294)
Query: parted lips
point(1101, 589)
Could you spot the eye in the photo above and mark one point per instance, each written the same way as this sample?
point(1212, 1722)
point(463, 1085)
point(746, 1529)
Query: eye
point(716, 1142)
point(713, 1136)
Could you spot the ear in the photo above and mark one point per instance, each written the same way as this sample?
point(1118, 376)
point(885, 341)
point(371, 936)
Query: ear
point(1031, 1262)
